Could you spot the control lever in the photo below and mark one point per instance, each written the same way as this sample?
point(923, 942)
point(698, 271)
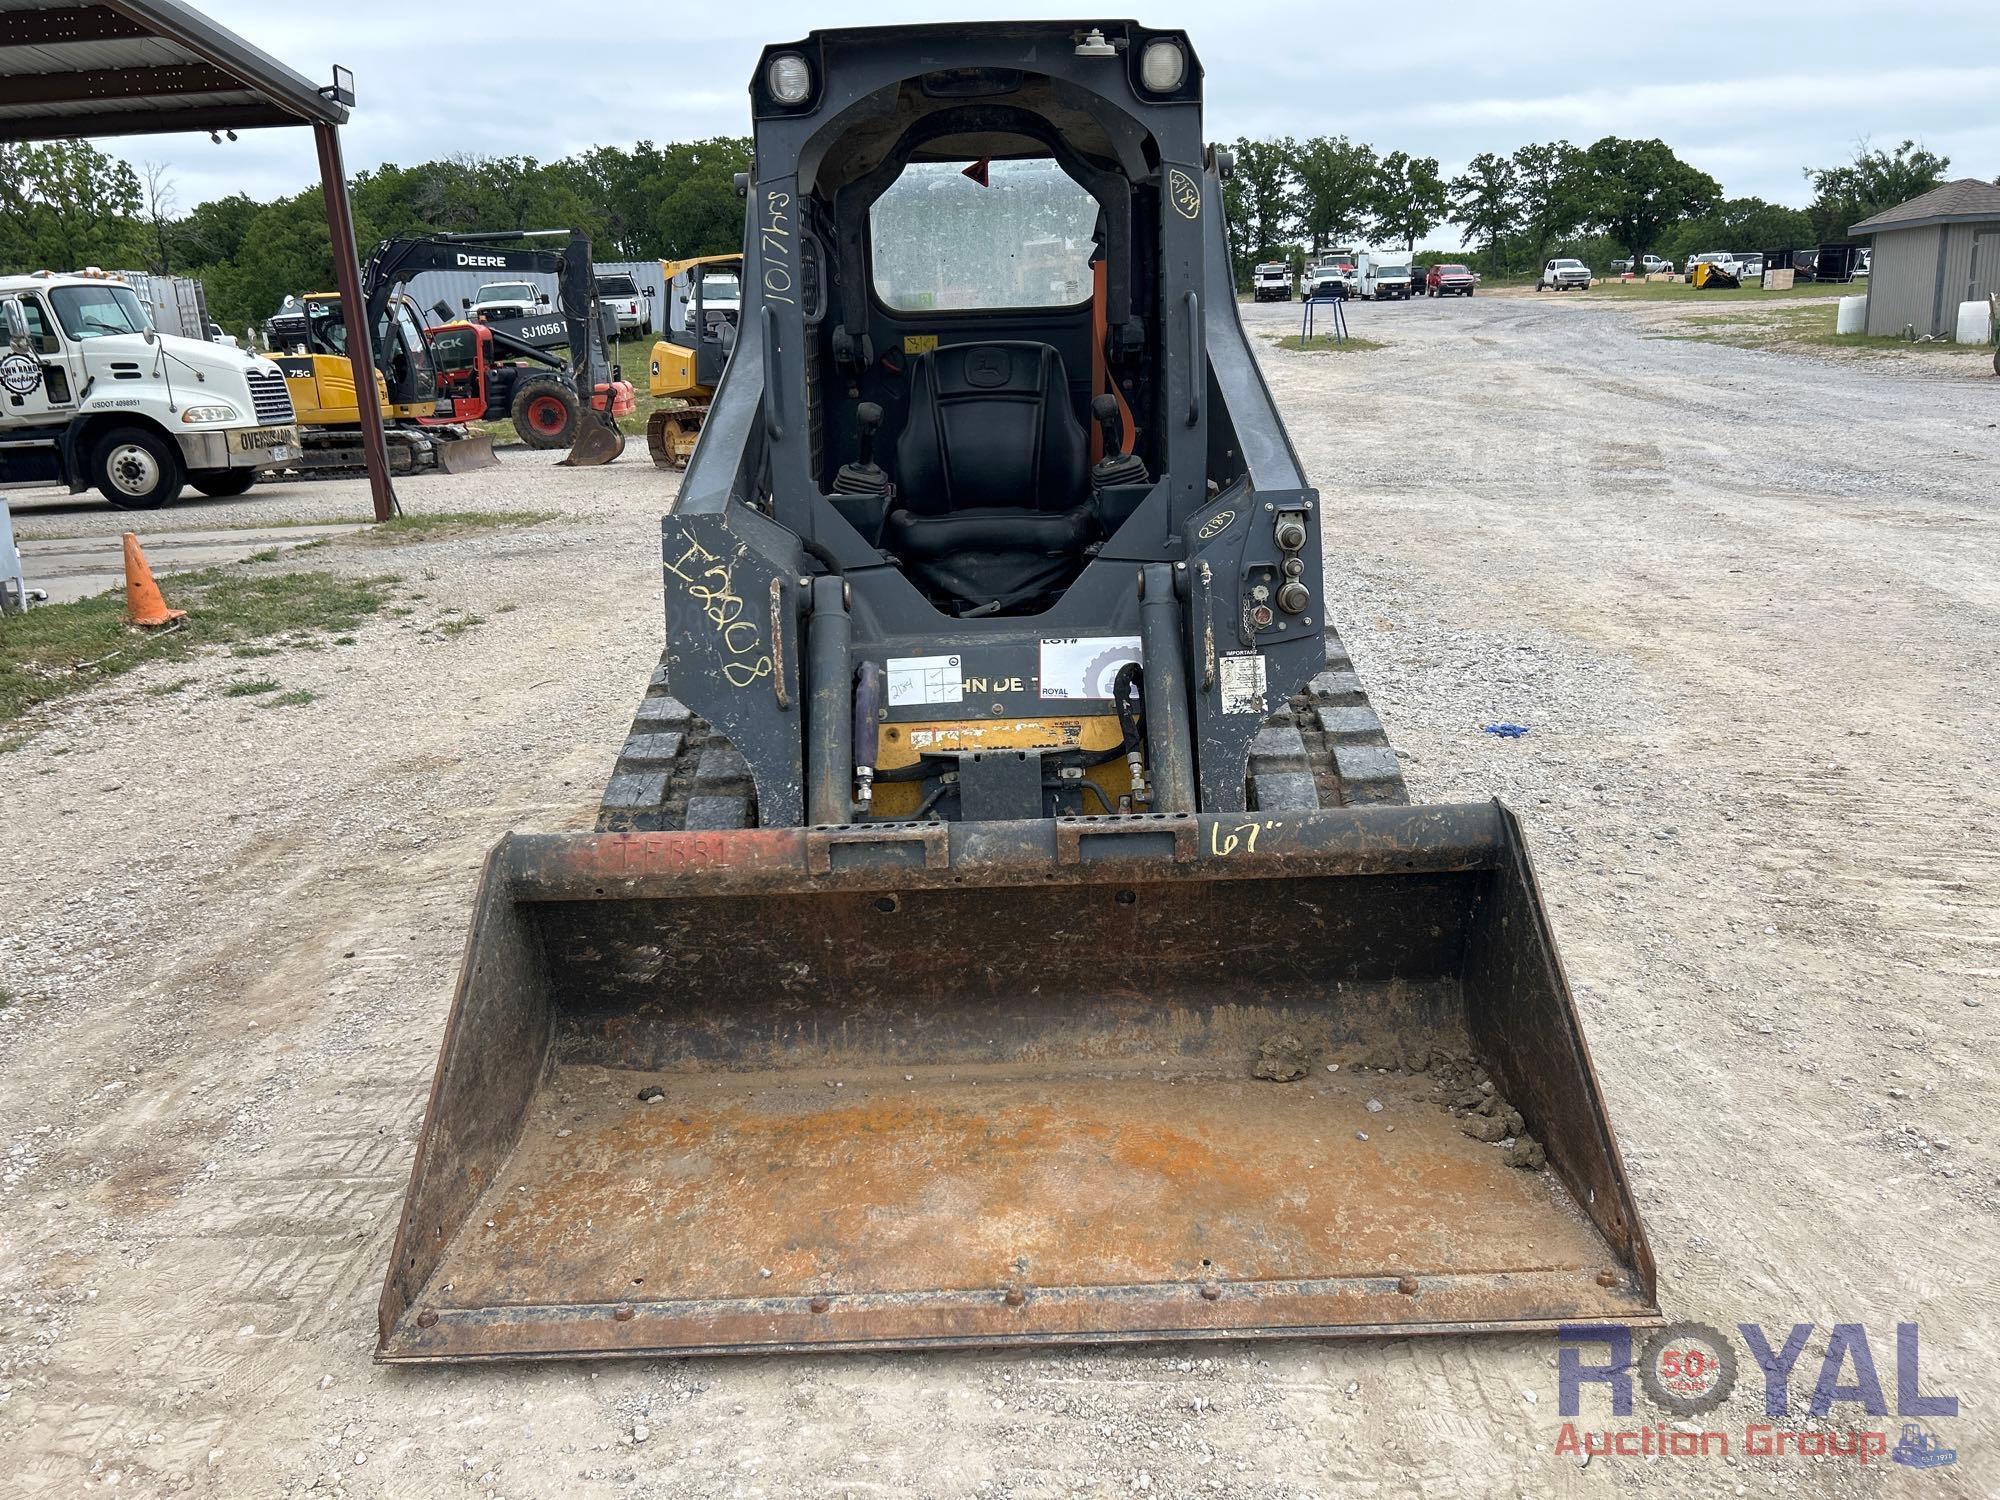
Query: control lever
point(1105, 409)
point(1117, 466)
point(864, 476)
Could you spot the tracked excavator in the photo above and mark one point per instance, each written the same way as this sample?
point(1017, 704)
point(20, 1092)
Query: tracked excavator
point(433, 382)
point(1007, 922)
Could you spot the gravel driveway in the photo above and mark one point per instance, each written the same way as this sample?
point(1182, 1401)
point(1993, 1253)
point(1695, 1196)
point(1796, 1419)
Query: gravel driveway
point(1747, 605)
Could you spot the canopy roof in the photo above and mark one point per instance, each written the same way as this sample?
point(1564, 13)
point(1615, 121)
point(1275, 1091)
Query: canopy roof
point(143, 67)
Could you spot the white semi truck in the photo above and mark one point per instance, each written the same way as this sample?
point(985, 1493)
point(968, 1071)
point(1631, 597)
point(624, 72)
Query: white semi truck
point(92, 396)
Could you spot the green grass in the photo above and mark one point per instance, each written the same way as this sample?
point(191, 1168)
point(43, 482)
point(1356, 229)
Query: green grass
point(167, 689)
point(1680, 291)
point(434, 526)
point(290, 699)
point(456, 623)
point(1810, 327)
point(61, 649)
point(1323, 343)
point(250, 689)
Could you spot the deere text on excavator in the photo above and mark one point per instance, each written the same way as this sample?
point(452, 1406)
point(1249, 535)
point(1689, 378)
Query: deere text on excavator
point(1007, 922)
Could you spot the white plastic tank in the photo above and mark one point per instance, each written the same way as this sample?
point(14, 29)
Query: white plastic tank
point(1975, 322)
point(1853, 315)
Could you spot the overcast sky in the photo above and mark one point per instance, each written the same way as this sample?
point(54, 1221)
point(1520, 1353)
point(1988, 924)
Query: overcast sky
point(1747, 90)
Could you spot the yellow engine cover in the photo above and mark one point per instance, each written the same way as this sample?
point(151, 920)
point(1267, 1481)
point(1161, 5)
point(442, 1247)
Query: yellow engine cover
point(901, 746)
point(322, 388)
point(673, 371)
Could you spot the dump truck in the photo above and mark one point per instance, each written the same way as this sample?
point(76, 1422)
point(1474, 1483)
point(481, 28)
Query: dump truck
point(1006, 922)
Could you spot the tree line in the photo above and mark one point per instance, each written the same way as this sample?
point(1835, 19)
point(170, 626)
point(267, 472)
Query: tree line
point(1293, 201)
point(66, 204)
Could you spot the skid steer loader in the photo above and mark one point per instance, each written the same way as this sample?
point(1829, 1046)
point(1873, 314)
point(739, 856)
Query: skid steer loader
point(1007, 923)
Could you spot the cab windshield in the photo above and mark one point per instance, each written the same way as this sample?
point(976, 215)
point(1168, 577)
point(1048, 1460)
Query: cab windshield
point(617, 286)
point(507, 291)
point(941, 241)
point(95, 312)
point(721, 289)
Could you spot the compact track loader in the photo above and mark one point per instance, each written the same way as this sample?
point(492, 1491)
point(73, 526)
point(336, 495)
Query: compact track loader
point(702, 318)
point(1007, 923)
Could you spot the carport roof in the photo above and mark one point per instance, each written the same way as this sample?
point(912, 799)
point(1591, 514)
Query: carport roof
point(1967, 198)
point(139, 67)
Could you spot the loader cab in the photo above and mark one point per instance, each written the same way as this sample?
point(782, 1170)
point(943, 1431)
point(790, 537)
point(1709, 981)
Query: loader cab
point(999, 271)
point(402, 352)
point(992, 403)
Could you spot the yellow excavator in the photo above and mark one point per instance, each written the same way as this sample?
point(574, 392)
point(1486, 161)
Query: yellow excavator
point(704, 297)
point(309, 339)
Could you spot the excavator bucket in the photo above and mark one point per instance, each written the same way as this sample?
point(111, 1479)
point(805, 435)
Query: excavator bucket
point(1061, 1081)
point(464, 455)
point(597, 442)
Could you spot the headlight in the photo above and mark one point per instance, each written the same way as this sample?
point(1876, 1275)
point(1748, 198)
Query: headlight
point(788, 78)
point(217, 413)
point(1162, 66)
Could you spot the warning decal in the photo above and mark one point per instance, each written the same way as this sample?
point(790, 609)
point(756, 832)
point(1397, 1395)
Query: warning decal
point(1242, 678)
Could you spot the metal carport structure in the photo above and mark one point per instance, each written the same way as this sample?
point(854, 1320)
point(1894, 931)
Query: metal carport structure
point(72, 70)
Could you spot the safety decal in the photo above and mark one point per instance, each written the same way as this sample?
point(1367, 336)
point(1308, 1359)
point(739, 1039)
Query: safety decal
point(1242, 677)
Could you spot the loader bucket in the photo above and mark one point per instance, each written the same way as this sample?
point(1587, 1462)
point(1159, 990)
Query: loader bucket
point(597, 442)
point(465, 454)
point(1069, 1081)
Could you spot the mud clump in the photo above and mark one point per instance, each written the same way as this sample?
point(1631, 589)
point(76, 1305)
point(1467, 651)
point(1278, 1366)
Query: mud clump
point(1526, 1153)
point(1282, 1059)
point(1464, 1088)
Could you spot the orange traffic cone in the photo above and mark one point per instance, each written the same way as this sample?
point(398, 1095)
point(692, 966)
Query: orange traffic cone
point(143, 603)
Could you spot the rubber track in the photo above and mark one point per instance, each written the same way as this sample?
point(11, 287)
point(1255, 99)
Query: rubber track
point(1324, 748)
point(675, 772)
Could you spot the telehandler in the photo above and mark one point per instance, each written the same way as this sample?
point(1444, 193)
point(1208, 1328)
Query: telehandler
point(1007, 922)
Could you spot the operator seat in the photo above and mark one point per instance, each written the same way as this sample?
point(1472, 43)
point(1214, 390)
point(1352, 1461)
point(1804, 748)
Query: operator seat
point(992, 475)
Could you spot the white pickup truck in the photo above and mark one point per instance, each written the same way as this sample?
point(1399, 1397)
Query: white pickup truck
point(92, 396)
point(1564, 275)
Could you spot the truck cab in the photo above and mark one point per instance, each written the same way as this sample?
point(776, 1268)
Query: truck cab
point(1271, 281)
point(92, 396)
point(504, 299)
point(1385, 280)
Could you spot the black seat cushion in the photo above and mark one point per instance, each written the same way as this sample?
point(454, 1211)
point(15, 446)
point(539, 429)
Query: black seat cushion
point(1003, 556)
point(990, 427)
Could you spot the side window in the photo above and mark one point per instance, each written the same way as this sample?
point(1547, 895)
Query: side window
point(41, 329)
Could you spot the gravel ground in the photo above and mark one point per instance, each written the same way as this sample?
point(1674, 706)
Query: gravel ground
point(1745, 603)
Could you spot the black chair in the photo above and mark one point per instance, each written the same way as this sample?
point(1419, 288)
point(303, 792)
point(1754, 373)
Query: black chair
point(992, 475)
